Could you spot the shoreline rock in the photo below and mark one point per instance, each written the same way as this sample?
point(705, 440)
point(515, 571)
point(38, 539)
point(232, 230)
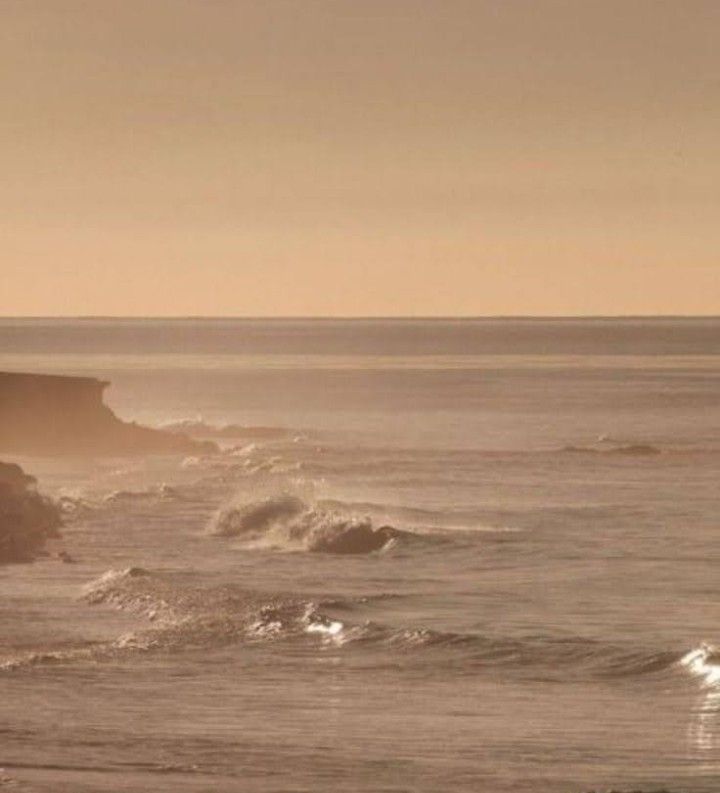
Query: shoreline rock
point(27, 518)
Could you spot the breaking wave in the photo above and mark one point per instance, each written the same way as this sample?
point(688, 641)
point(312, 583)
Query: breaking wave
point(128, 495)
point(242, 462)
point(256, 517)
point(200, 429)
point(162, 492)
point(288, 521)
point(74, 506)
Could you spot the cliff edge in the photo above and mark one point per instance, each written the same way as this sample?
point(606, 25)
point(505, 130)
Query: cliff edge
point(52, 414)
point(27, 519)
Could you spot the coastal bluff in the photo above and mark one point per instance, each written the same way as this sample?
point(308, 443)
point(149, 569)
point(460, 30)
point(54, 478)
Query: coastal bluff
point(44, 414)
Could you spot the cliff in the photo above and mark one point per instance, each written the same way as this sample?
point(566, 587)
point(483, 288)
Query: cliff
point(49, 414)
point(27, 519)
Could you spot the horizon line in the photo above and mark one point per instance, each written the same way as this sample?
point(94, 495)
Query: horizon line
point(352, 317)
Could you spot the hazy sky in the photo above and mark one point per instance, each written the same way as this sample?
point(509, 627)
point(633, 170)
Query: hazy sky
point(359, 157)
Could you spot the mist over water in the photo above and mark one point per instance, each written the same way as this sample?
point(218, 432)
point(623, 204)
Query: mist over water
point(457, 555)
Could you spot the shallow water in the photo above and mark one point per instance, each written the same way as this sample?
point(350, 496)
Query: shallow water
point(540, 617)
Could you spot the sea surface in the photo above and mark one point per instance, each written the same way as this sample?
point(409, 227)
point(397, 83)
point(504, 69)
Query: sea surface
point(538, 616)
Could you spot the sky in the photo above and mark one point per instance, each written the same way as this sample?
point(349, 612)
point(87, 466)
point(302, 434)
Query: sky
point(359, 157)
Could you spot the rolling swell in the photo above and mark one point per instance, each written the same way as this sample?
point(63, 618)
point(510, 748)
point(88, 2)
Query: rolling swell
point(629, 449)
point(289, 522)
point(190, 616)
point(178, 616)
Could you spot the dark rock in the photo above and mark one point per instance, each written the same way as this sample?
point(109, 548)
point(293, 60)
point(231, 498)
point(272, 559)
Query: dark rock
point(27, 519)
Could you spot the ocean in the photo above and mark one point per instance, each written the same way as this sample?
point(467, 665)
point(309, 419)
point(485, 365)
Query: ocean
point(537, 615)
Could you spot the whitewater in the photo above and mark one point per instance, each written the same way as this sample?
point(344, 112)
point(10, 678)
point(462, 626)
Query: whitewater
point(427, 555)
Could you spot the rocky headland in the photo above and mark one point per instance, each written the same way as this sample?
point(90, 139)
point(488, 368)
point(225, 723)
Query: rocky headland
point(55, 415)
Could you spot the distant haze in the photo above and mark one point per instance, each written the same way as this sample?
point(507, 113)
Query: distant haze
point(359, 157)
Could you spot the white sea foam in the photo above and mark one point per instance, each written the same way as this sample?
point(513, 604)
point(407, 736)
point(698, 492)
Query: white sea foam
point(704, 663)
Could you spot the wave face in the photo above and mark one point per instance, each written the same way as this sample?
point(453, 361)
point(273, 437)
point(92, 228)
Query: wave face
point(257, 517)
point(288, 521)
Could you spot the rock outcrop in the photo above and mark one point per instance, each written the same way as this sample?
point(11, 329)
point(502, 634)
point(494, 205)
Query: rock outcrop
point(27, 519)
point(50, 414)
